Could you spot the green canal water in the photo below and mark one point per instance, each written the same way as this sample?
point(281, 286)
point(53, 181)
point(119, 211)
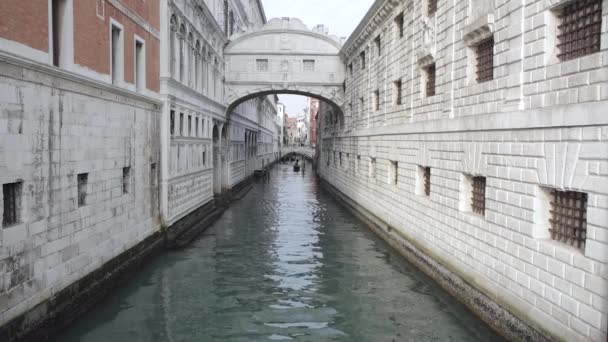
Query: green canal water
point(286, 262)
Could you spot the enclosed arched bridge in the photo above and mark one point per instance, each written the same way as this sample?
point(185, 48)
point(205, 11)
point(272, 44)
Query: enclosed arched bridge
point(284, 57)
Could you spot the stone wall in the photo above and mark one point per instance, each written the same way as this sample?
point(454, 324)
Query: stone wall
point(538, 126)
point(54, 127)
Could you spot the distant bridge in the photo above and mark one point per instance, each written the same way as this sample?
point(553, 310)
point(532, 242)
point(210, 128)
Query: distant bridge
point(307, 152)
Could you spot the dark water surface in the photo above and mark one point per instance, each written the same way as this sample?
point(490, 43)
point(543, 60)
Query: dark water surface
point(286, 262)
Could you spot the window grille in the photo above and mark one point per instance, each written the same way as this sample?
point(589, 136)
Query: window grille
point(427, 181)
point(11, 196)
point(126, 173)
point(432, 7)
point(478, 202)
point(569, 218)
point(398, 92)
point(309, 65)
point(262, 64)
point(580, 29)
point(430, 80)
point(485, 60)
point(82, 179)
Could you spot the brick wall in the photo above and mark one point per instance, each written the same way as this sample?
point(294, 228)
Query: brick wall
point(25, 22)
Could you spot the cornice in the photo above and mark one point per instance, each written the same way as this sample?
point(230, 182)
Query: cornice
point(263, 32)
point(375, 18)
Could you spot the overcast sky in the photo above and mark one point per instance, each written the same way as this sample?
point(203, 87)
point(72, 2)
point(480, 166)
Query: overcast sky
point(341, 17)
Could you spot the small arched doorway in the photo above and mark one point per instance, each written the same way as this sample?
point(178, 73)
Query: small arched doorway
point(217, 165)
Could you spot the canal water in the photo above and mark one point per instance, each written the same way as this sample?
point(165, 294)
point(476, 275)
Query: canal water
point(286, 262)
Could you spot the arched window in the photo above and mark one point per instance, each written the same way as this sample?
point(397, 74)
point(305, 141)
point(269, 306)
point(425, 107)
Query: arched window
point(197, 65)
point(182, 36)
point(173, 43)
point(190, 62)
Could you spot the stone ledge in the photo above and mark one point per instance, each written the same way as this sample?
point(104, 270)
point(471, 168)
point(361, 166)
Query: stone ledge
point(498, 318)
point(479, 30)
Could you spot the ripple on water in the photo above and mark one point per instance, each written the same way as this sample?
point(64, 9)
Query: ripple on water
point(283, 263)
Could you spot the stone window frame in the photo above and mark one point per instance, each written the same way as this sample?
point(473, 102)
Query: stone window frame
point(308, 65)
point(262, 64)
point(398, 92)
point(117, 75)
point(139, 62)
point(429, 8)
point(393, 174)
point(429, 83)
point(65, 39)
point(478, 32)
point(399, 22)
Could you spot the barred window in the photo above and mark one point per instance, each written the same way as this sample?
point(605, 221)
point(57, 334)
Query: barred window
point(430, 80)
point(261, 64)
point(478, 200)
point(395, 172)
point(485, 60)
point(126, 179)
point(432, 7)
point(569, 217)
point(83, 180)
point(309, 65)
point(580, 29)
point(427, 181)
point(11, 193)
point(398, 91)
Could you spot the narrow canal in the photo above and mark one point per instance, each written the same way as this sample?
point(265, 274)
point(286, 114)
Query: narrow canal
point(286, 262)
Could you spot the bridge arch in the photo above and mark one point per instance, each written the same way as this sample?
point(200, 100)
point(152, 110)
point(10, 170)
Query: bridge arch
point(284, 57)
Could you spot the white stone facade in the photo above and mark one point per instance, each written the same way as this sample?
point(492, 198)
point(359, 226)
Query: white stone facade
point(539, 125)
point(202, 139)
point(55, 126)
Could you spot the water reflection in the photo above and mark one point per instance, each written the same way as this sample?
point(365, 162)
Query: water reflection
point(284, 263)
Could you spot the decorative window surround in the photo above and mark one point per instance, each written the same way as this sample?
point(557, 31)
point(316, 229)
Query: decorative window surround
point(479, 30)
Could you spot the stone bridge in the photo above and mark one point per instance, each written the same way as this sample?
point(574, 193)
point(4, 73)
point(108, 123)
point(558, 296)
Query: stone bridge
point(284, 57)
point(307, 152)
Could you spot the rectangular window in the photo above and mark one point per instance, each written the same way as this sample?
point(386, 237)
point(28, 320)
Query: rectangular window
point(427, 181)
point(362, 56)
point(189, 125)
point(397, 91)
point(394, 172)
point(478, 200)
point(485, 60)
point(430, 80)
point(204, 158)
point(362, 102)
point(261, 64)
point(309, 65)
point(432, 8)
point(126, 177)
point(340, 155)
point(350, 68)
point(83, 180)
point(172, 122)
point(569, 218)
point(181, 124)
point(140, 69)
point(117, 55)
point(399, 25)
point(378, 44)
point(377, 100)
point(11, 193)
point(580, 29)
point(196, 133)
point(59, 31)
point(359, 166)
